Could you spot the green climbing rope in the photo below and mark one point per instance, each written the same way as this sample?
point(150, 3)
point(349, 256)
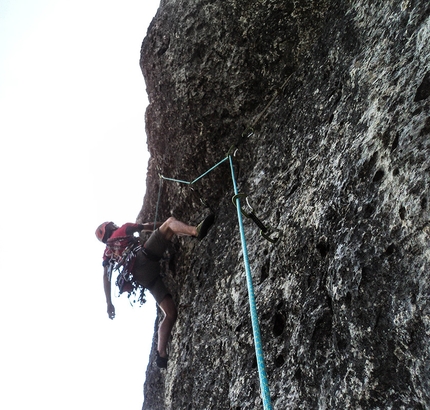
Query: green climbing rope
point(264, 385)
point(198, 178)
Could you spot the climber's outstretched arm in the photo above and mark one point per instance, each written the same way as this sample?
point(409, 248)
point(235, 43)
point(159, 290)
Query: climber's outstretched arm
point(107, 289)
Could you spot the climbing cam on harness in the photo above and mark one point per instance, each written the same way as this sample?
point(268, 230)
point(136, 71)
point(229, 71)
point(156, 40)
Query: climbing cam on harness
point(267, 232)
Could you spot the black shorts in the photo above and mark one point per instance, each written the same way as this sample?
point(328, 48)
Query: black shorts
point(147, 271)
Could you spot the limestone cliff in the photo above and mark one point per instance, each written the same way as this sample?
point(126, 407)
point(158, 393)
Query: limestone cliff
point(337, 96)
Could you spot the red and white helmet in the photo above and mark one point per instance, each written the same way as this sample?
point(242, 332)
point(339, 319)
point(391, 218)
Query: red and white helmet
point(101, 231)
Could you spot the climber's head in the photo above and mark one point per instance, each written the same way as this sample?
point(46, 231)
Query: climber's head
point(104, 231)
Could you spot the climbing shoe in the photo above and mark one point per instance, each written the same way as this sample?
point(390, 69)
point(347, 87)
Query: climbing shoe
point(161, 361)
point(203, 227)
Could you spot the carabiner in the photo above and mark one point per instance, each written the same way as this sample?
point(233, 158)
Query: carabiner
point(244, 213)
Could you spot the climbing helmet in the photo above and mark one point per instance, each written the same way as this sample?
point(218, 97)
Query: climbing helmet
point(101, 231)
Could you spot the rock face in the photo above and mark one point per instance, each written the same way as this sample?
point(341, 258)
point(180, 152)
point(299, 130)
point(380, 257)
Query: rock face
point(326, 105)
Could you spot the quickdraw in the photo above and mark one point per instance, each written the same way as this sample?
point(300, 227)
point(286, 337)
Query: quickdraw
point(128, 256)
point(124, 265)
point(267, 232)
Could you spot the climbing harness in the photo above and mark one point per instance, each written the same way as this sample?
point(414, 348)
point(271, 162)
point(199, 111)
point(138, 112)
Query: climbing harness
point(267, 232)
point(124, 265)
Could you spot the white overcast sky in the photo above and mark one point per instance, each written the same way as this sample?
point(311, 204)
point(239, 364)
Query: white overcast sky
point(73, 154)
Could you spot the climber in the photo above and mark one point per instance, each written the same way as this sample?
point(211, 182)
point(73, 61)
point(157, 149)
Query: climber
point(145, 267)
